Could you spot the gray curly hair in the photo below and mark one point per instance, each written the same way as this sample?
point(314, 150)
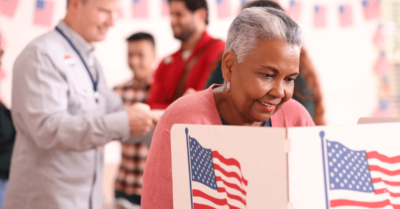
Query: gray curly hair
point(256, 24)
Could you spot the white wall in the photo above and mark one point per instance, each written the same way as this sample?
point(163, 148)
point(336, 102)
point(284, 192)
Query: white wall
point(344, 57)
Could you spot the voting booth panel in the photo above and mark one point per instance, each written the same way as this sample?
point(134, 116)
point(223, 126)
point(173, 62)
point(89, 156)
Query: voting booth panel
point(370, 120)
point(345, 167)
point(228, 166)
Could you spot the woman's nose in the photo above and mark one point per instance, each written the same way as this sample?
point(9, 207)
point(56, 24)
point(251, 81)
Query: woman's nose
point(277, 90)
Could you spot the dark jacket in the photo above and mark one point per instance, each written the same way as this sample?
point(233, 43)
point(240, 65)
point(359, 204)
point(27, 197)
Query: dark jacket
point(7, 137)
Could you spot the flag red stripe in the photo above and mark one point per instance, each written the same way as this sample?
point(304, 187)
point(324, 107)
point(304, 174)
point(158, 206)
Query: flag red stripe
point(231, 196)
point(383, 158)
point(230, 174)
point(231, 161)
point(232, 186)
point(201, 206)
point(342, 202)
point(384, 171)
point(221, 202)
point(390, 183)
point(382, 191)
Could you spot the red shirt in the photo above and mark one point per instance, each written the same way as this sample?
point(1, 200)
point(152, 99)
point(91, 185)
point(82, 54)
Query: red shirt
point(172, 68)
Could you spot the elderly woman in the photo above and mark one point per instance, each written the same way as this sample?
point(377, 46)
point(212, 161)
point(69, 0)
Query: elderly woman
point(260, 64)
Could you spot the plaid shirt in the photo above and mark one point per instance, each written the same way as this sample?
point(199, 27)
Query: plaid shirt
point(130, 174)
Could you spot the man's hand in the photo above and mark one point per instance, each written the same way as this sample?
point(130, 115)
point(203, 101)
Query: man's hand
point(141, 119)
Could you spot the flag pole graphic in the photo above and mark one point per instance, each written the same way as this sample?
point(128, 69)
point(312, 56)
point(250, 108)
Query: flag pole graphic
point(190, 166)
point(322, 135)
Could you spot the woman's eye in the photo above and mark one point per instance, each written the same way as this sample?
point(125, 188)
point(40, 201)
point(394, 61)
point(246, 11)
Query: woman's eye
point(289, 80)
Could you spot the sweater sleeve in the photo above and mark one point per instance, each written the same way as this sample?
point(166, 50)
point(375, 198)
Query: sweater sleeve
point(157, 179)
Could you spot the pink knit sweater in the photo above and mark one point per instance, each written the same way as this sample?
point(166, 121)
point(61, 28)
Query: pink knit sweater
point(198, 108)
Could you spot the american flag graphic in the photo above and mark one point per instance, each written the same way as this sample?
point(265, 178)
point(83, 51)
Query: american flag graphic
point(294, 10)
point(362, 179)
point(371, 8)
point(43, 12)
point(383, 66)
point(379, 38)
point(216, 181)
point(223, 8)
point(140, 9)
point(319, 16)
point(164, 8)
point(345, 15)
point(8, 7)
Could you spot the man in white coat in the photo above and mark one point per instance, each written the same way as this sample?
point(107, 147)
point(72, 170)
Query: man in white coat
point(63, 112)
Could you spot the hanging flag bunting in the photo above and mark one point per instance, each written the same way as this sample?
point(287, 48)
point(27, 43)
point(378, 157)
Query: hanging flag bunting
point(294, 10)
point(319, 16)
point(120, 14)
point(2, 74)
point(164, 8)
point(140, 9)
point(345, 15)
point(8, 7)
point(223, 9)
point(371, 8)
point(386, 86)
point(242, 3)
point(383, 65)
point(43, 13)
point(385, 109)
point(379, 37)
point(3, 42)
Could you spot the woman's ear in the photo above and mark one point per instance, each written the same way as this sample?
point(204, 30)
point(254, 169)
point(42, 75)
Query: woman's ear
point(228, 62)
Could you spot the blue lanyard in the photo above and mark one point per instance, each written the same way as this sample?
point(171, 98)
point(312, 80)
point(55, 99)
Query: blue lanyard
point(94, 82)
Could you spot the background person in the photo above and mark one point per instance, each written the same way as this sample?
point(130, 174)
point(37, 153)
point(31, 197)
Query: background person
point(141, 59)
point(307, 86)
point(188, 69)
point(7, 138)
point(64, 112)
point(260, 64)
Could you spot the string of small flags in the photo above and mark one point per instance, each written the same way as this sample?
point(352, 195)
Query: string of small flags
point(44, 9)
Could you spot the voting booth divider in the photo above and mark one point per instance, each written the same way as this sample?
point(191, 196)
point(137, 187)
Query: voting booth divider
point(299, 168)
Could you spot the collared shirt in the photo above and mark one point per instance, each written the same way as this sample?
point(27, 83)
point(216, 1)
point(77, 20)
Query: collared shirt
point(134, 156)
point(131, 92)
point(55, 162)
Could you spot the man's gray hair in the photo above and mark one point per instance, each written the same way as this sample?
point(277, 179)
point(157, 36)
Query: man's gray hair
point(257, 24)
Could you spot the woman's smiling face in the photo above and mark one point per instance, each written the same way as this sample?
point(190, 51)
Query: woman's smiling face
point(263, 81)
